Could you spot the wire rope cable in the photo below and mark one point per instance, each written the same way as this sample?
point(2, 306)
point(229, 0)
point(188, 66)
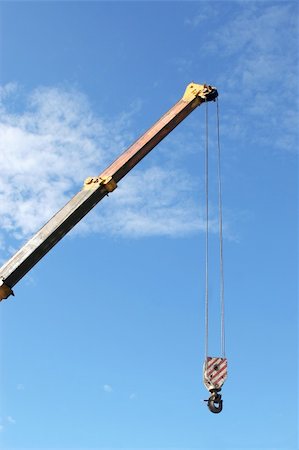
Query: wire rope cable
point(215, 368)
point(222, 323)
point(220, 224)
point(207, 235)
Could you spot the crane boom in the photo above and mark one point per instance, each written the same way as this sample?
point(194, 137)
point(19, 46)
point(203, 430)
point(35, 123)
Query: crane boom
point(95, 188)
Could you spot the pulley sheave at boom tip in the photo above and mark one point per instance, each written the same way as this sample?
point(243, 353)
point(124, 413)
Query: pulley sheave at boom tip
point(95, 188)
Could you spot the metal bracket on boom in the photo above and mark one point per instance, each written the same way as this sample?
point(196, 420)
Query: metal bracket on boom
point(5, 291)
point(95, 182)
point(203, 91)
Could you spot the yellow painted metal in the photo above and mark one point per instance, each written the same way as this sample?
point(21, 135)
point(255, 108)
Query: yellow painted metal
point(195, 90)
point(5, 291)
point(95, 182)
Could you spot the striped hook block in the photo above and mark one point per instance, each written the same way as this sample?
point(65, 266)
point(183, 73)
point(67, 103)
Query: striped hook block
point(214, 372)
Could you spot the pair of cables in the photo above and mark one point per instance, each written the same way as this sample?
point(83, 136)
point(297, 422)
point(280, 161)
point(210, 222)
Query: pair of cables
point(215, 368)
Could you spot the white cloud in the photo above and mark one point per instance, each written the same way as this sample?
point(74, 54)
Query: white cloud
point(196, 20)
point(10, 420)
point(205, 14)
point(107, 388)
point(183, 65)
point(7, 90)
point(50, 145)
point(263, 43)
point(152, 202)
point(44, 152)
point(47, 150)
point(5, 421)
point(256, 49)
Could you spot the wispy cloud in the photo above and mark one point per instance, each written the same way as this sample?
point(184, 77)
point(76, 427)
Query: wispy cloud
point(6, 421)
point(200, 16)
point(256, 48)
point(263, 45)
point(256, 37)
point(107, 388)
point(10, 420)
point(183, 65)
point(50, 141)
point(47, 150)
point(132, 396)
point(148, 204)
point(196, 20)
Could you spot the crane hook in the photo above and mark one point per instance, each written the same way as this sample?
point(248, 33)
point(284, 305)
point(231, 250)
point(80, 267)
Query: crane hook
point(215, 402)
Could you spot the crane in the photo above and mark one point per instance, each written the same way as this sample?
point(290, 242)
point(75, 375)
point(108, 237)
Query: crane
point(94, 189)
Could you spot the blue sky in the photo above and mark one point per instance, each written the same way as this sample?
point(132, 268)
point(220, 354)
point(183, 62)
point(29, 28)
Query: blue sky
point(103, 345)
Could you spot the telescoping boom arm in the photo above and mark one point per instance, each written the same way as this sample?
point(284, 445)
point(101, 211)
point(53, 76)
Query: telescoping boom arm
point(95, 188)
